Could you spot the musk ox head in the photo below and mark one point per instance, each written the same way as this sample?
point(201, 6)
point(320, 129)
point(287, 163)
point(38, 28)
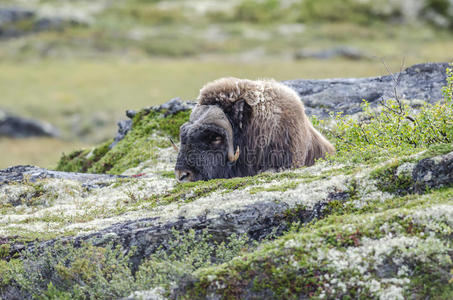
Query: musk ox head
point(242, 127)
point(207, 145)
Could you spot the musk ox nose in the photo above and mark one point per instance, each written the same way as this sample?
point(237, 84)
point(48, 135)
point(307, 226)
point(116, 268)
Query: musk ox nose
point(184, 175)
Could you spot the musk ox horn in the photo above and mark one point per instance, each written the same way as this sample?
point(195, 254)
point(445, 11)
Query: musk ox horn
point(214, 115)
point(234, 157)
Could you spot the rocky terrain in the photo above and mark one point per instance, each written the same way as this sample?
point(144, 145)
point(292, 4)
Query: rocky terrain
point(112, 222)
point(419, 82)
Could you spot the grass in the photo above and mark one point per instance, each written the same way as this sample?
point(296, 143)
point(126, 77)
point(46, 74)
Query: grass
point(45, 88)
point(43, 152)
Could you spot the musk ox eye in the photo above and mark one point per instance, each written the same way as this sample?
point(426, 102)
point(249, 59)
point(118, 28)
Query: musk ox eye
point(217, 141)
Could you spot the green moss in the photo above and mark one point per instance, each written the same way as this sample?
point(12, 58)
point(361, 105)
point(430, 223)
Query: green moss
point(276, 188)
point(168, 174)
point(436, 149)
point(389, 181)
point(149, 132)
point(4, 250)
point(190, 191)
point(82, 160)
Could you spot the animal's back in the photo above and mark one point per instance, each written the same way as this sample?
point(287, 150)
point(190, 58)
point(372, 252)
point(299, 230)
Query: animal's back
point(278, 117)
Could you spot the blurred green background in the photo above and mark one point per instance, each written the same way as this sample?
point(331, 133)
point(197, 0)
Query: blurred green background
point(80, 64)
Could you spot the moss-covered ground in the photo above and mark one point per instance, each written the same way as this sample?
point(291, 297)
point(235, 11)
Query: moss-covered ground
point(387, 249)
point(372, 236)
point(387, 246)
point(150, 130)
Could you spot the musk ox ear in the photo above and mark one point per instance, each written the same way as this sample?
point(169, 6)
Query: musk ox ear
point(173, 144)
point(239, 113)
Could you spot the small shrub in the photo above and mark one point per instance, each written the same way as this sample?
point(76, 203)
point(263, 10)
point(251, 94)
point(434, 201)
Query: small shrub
point(65, 272)
point(396, 126)
point(259, 11)
point(186, 253)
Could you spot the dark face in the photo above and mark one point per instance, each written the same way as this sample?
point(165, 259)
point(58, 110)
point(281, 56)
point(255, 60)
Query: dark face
point(203, 153)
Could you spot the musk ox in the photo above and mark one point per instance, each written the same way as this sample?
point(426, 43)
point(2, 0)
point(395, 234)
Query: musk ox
point(242, 127)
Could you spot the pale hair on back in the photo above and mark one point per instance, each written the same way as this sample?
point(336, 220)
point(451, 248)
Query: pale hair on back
point(277, 113)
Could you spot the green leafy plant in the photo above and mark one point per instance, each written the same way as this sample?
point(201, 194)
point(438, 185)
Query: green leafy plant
point(396, 125)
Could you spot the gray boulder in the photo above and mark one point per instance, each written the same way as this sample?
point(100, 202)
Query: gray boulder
point(11, 15)
point(18, 127)
point(433, 172)
point(18, 174)
point(323, 96)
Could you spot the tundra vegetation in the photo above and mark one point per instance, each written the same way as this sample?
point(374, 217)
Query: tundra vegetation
point(376, 237)
point(355, 225)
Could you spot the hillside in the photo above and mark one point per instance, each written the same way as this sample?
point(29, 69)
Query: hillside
point(373, 221)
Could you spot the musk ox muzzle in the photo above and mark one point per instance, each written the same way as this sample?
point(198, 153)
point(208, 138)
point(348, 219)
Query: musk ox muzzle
point(242, 127)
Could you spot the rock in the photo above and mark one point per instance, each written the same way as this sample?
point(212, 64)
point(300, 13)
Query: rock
point(418, 177)
point(18, 127)
point(324, 96)
point(131, 113)
point(11, 15)
point(123, 128)
point(258, 207)
point(321, 97)
point(342, 52)
point(45, 24)
point(175, 105)
point(154, 294)
point(432, 173)
point(237, 212)
point(19, 174)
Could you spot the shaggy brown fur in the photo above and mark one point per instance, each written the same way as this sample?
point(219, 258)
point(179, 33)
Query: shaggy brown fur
point(277, 120)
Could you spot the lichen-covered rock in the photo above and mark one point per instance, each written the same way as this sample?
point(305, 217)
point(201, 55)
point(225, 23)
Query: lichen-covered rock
point(422, 82)
point(18, 174)
point(416, 177)
point(433, 172)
